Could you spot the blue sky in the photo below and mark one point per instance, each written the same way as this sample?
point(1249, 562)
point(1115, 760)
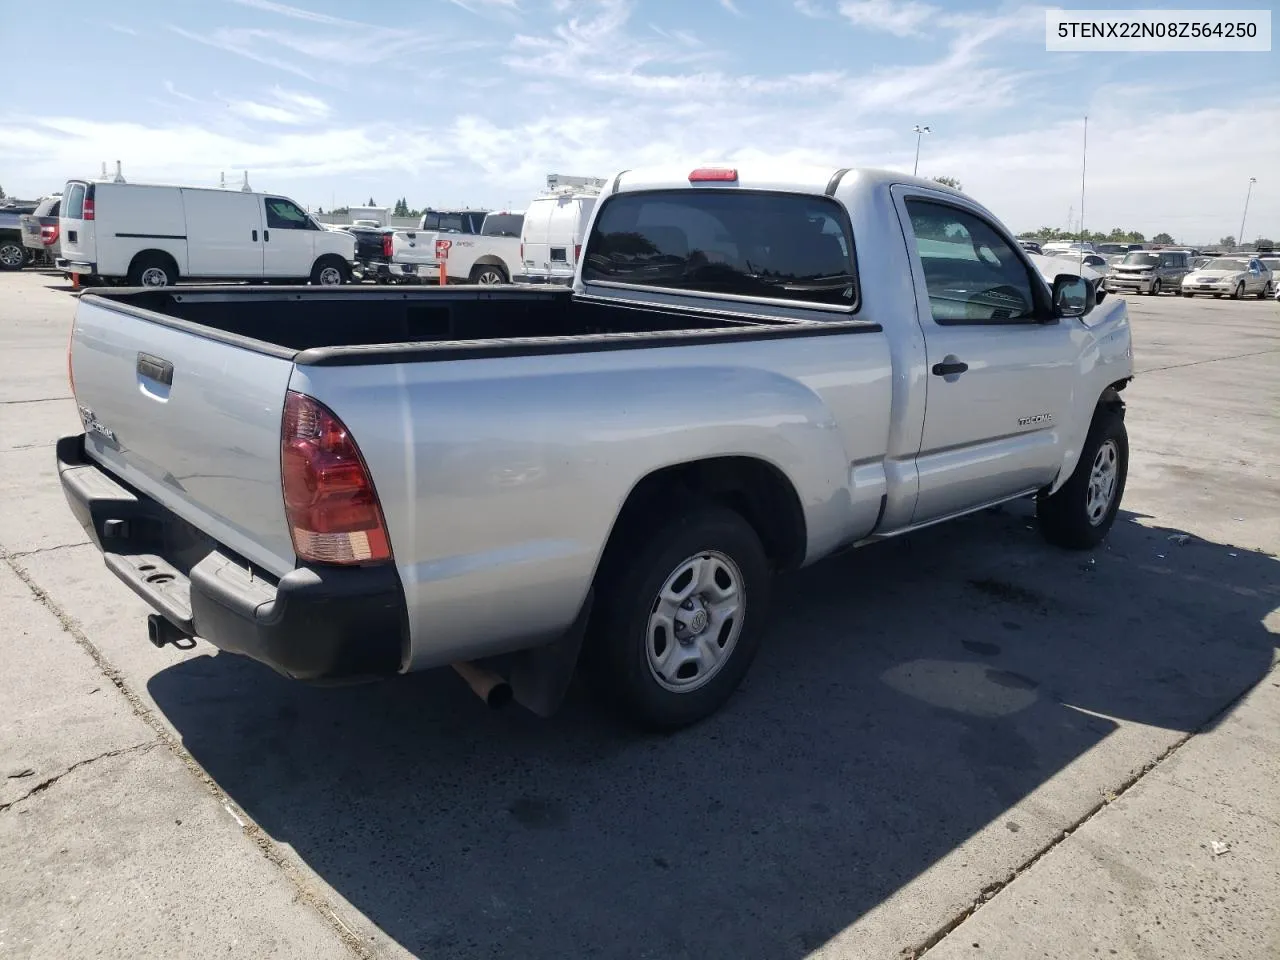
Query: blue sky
point(475, 101)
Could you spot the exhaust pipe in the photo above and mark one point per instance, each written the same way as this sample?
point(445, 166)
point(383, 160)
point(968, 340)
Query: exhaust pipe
point(486, 684)
point(161, 632)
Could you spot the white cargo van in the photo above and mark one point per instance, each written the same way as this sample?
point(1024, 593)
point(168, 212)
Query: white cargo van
point(554, 226)
point(152, 235)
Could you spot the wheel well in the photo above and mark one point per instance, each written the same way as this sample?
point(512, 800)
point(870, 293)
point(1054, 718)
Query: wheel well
point(148, 255)
point(757, 490)
point(1111, 399)
point(489, 261)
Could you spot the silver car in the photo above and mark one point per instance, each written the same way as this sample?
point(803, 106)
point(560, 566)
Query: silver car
point(1231, 276)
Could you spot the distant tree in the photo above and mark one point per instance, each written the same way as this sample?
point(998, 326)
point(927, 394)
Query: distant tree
point(371, 203)
point(1263, 242)
point(401, 208)
point(319, 211)
point(341, 211)
point(1227, 241)
point(951, 182)
point(1165, 238)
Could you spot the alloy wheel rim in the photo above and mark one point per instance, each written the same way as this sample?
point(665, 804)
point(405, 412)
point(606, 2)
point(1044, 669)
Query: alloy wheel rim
point(11, 254)
point(1102, 482)
point(154, 277)
point(695, 622)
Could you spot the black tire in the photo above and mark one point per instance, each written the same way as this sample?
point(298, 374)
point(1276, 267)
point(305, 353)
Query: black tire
point(153, 270)
point(487, 274)
point(13, 255)
point(636, 566)
point(328, 267)
point(1065, 517)
point(1188, 295)
point(1238, 292)
point(1265, 293)
point(1155, 289)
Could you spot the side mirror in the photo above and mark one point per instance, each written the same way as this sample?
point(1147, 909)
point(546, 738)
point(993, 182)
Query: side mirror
point(1072, 296)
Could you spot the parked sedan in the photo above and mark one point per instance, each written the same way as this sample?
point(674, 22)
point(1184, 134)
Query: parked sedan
point(1234, 276)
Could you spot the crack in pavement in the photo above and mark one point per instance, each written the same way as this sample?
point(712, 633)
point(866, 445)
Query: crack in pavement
point(1196, 363)
point(17, 555)
point(45, 784)
point(990, 891)
point(34, 400)
point(306, 889)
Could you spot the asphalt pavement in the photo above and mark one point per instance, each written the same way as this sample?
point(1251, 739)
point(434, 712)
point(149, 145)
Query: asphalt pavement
point(961, 742)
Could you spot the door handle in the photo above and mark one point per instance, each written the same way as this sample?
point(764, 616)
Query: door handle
point(266, 234)
point(255, 236)
point(949, 368)
point(155, 368)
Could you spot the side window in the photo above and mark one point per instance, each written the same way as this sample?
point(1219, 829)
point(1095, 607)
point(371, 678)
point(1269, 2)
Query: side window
point(739, 243)
point(75, 202)
point(286, 215)
point(971, 274)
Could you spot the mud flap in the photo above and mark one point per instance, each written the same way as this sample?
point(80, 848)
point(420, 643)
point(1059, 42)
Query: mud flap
point(540, 676)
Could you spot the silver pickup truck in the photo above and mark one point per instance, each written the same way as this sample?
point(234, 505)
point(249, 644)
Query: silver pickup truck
point(753, 370)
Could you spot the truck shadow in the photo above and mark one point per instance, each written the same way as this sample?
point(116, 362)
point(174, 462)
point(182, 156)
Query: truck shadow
point(875, 735)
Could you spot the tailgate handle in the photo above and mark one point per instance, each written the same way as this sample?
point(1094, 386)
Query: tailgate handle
point(155, 368)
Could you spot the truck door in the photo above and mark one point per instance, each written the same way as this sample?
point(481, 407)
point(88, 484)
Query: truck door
point(1000, 370)
point(289, 239)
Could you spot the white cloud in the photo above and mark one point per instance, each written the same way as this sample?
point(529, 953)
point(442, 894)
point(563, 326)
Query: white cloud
point(903, 18)
point(732, 7)
point(283, 107)
point(810, 9)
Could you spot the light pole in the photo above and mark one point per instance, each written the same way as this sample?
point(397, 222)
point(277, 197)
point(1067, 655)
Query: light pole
point(920, 131)
point(1248, 193)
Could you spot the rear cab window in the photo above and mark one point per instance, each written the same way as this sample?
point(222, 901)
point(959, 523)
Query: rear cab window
point(502, 225)
point(736, 243)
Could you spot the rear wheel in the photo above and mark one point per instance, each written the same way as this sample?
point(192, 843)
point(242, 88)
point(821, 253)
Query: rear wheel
point(152, 270)
point(487, 274)
point(1081, 513)
point(681, 612)
point(330, 271)
point(12, 255)
point(1266, 292)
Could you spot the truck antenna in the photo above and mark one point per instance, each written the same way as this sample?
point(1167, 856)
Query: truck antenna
point(1084, 159)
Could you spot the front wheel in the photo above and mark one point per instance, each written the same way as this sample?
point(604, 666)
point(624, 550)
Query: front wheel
point(680, 615)
point(1155, 289)
point(1265, 292)
point(330, 272)
point(1188, 294)
point(1082, 512)
point(1238, 292)
point(13, 255)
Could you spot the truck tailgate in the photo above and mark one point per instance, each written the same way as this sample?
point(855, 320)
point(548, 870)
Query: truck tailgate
point(206, 443)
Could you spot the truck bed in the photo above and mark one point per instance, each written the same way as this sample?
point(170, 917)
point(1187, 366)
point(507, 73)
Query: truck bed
point(310, 325)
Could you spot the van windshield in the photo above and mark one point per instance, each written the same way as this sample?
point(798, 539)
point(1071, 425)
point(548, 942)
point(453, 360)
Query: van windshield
point(1141, 259)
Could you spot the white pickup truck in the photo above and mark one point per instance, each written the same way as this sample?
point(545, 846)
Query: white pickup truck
point(475, 247)
point(754, 369)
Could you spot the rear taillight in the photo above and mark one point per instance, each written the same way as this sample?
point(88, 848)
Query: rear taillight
point(49, 234)
point(387, 245)
point(88, 209)
point(577, 252)
point(332, 508)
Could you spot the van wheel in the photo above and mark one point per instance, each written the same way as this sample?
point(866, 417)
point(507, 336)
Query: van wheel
point(152, 270)
point(330, 271)
point(12, 255)
point(487, 274)
point(1081, 513)
point(681, 612)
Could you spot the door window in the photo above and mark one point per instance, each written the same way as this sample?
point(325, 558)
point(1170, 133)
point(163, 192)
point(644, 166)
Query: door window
point(286, 215)
point(972, 275)
point(75, 202)
point(741, 243)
